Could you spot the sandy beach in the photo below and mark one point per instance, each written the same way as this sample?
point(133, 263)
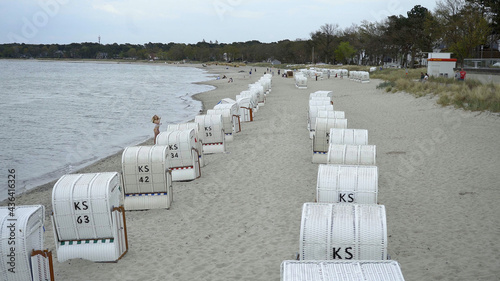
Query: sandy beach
point(439, 180)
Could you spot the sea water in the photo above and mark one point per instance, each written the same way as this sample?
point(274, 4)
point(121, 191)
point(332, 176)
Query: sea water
point(57, 117)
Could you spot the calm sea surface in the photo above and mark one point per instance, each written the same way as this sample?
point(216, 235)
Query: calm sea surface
point(56, 117)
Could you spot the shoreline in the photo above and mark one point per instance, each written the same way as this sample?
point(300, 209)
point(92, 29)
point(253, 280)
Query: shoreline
point(438, 179)
point(87, 167)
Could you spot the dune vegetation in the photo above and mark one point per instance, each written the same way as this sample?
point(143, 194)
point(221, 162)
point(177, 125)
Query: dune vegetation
point(469, 94)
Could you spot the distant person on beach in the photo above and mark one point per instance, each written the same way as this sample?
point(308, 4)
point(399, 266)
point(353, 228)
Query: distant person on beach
point(462, 75)
point(426, 77)
point(422, 76)
point(457, 75)
point(156, 130)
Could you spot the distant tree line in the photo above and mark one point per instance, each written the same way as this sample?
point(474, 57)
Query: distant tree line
point(458, 26)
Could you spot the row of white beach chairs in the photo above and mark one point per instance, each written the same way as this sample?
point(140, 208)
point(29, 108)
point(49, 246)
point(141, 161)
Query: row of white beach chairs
point(88, 214)
point(343, 235)
point(359, 76)
point(321, 73)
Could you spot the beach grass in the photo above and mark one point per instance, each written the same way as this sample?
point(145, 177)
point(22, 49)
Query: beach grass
point(469, 94)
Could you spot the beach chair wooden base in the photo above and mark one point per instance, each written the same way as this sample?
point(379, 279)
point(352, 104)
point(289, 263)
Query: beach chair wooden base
point(42, 268)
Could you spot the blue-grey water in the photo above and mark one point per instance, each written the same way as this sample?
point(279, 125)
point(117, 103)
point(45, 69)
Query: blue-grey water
point(57, 117)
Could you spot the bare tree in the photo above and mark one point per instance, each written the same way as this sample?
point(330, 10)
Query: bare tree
point(324, 40)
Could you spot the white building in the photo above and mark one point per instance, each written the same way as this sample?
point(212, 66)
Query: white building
point(441, 64)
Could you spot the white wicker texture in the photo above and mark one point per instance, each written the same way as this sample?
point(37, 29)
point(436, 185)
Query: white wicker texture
point(182, 156)
point(352, 154)
point(331, 114)
point(321, 94)
point(349, 136)
point(246, 110)
point(362, 270)
point(199, 144)
point(347, 184)
point(101, 249)
point(257, 87)
point(184, 126)
point(343, 232)
point(313, 113)
point(360, 76)
point(365, 77)
point(26, 230)
point(300, 81)
point(337, 73)
point(322, 132)
point(213, 133)
point(41, 265)
point(235, 108)
point(227, 121)
point(252, 95)
point(180, 147)
point(82, 205)
point(145, 169)
point(265, 81)
point(355, 75)
point(212, 128)
point(318, 99)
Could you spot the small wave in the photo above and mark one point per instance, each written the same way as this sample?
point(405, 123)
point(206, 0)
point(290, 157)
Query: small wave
point(93, 118)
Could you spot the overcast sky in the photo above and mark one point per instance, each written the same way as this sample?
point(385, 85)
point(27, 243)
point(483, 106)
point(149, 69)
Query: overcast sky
point(188, 21)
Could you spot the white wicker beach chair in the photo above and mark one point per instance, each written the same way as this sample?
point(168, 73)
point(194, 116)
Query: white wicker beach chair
point(197, 137)
point(300, 81)
point(266, 82)
point(347, 184)
point(212, 128)
point(322, 135)
point(253, 96)
point(21, 244)
point(343, 232)
point(235, 112)
point(313, 113)
point(227, 122)
point(246, 110)
point(348, 136)
point(352, 154)
point(182, 157)
point(147, 178)
point(261, 94)
point(89, 218)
